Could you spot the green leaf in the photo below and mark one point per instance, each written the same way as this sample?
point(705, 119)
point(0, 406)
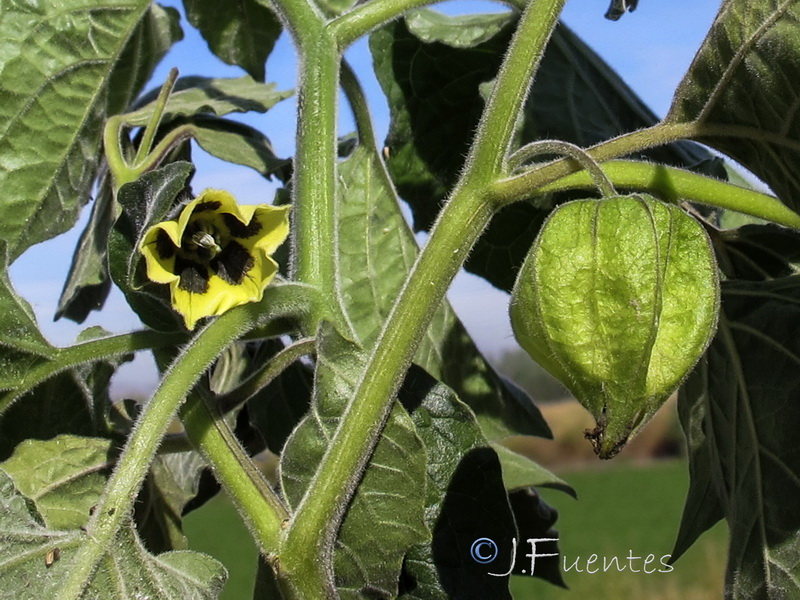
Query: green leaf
point(57, 60)
point(739, 411)
point(520, 472)
point(464, 31)
point(172, 482)
point(240, 33)
point(277, 409)
point(433, 70)
point(63, 476)
point(22, 346)
point(37, 559)
point(743, 88)
point(88, 283)
point(205, 95)
point(74, 401)
point(240, 144)
point(385, 516)
point(377, 250)
point(158, 30)
point(145, 202)
point(435, 102)
point(466, 499)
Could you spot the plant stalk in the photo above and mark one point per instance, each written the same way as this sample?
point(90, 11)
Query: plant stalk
point(366, 16)
point(314, 230)
point(85, 352)
point(252, 495)
point(116, 504)
point(488, 157)
point(461, 223)
point(675, 184)
point(155, 119)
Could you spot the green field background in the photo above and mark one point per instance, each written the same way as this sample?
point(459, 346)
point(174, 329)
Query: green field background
point(622, 507)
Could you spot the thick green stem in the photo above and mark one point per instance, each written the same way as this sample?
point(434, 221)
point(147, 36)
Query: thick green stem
point(314, 235)
point(519, 187)
point(459, 226)
point(366, 413)
point(677, 184)
point(116, 504)
point(252, 495)
point(315, 183)
point(488, 157)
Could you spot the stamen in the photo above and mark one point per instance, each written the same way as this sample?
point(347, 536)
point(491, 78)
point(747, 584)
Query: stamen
point(200, 238)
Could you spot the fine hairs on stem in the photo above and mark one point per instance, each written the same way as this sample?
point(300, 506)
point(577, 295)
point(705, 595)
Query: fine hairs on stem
point(519, 158)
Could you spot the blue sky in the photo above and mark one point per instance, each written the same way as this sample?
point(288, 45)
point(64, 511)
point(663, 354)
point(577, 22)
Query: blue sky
point(651, 48)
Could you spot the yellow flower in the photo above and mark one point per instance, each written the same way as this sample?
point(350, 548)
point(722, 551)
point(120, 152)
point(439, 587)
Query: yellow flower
point(216, 255)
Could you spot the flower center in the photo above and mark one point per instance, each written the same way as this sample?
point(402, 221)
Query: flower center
point(202, 239)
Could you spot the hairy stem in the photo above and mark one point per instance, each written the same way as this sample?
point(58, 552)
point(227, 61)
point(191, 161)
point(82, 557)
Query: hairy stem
point(460, 224)
point(576, 153)
point(167, 143)
point(675, 184)
point(287, 301)
point(489, 153)
point(265, 375)
point(155, 119)
point(367, 16)
point(85, 352)
point(358, 105)
point(115, 505)
point(519, 187)
point(252, 495)
point(314, 234)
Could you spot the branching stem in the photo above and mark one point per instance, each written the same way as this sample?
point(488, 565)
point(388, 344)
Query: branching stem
point(461, 223)
point(675, 184)
point(576, 153)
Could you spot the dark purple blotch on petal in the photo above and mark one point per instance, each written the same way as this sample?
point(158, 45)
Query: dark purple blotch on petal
point(193, 276)
point(239, 229)
point(164, 246)
point(233, 263)
point(207, 205)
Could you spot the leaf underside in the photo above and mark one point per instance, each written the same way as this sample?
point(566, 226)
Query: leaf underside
point(385, 516)
point(377, 251)
point(744, 84)
point(740, 415)
point(36, 555)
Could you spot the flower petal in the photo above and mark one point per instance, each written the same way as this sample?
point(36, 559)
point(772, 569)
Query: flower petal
point(221, 296)
point(275, 220)
point(159, 246)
